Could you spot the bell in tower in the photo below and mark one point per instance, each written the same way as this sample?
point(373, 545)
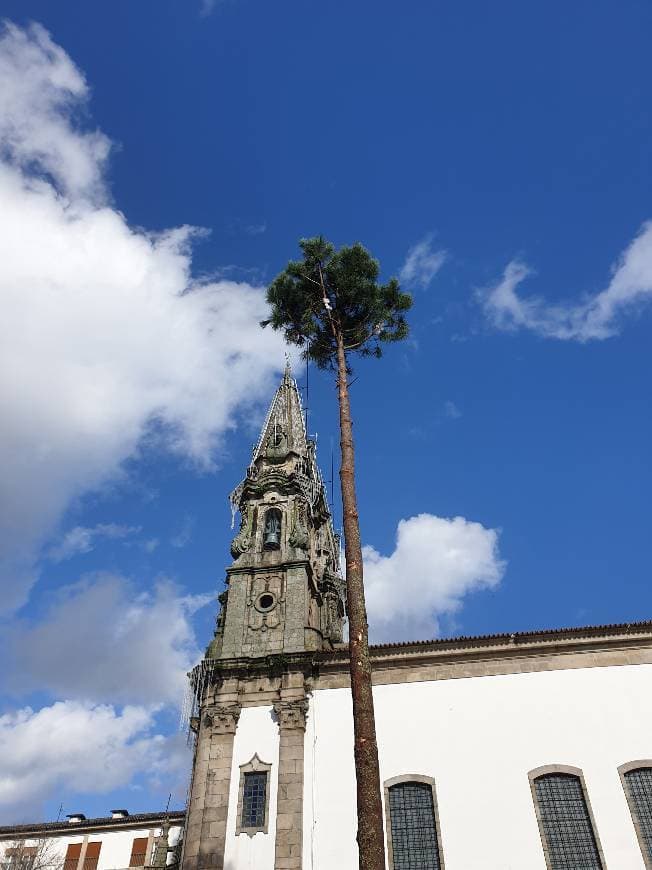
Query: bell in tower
point(272, 533)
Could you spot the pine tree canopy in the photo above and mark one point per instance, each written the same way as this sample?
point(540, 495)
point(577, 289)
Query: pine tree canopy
point(332, 292)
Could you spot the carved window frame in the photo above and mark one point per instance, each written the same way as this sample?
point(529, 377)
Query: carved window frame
point(407, 778)
point(628, 767)
point(579, 775)
point(254, 765)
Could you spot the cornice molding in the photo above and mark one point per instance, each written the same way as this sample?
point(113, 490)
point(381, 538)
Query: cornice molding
point(449, 658)
point(516, 643)
point(492, 655)
point(269, 569)
point(583, 639)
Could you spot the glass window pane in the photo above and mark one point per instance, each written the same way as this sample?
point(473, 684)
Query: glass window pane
point(253, 800)
point(639, 788)
point(414, 836)
point(566, 823)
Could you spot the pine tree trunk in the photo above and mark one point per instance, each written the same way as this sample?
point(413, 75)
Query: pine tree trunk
point(371, 841)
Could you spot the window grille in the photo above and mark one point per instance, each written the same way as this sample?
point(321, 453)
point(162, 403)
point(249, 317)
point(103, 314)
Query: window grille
point(253, 800)
point(414, 833)
point(566, 823)
point(639, 795)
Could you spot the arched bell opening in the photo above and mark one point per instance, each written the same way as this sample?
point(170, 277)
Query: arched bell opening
point(272, 530)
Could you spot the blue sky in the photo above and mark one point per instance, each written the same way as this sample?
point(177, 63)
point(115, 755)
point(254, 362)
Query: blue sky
point(495, 156)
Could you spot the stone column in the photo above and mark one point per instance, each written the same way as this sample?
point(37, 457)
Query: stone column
point(291, 714)
point(205, 837)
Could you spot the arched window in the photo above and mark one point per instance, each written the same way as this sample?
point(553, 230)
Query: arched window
point(637, 782)
point(412, 826)
point(565, 820)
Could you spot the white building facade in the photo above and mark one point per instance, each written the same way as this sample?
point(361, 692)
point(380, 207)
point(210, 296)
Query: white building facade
point(578, 706)
point(486, 726)
point(114, 842)
point(509, 752)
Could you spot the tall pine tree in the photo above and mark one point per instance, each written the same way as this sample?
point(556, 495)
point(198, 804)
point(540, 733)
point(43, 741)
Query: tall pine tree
point(331, 304)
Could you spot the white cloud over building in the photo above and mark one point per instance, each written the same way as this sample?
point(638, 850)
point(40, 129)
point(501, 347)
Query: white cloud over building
point(436, 562)
point(105, 339)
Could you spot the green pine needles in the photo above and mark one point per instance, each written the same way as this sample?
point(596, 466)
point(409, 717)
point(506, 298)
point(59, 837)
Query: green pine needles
point(330, 293)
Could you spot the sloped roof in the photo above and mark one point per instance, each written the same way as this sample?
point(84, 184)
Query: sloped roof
point(137, 820)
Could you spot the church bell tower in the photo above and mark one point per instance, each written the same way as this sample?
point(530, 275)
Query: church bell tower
point(282, 606)
point(284, 590)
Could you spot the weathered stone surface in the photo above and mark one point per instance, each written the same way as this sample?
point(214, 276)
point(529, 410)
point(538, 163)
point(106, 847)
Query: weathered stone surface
point(291, 711)
point(208, 808)
point(284, 599)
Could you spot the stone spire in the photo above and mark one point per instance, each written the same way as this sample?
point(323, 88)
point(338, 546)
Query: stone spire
point(284, 589)
point(284, 426)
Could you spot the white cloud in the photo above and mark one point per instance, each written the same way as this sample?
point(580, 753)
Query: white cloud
point(597, 316)
point(451, 410)
point(255, 229)
point(119, 657)
point(82, 539)
point(207, 6)
point(421, 264)
point(436, 562)
point(79, 747)
point(182, 537)
point(40, 89)
point(103, 641)
point(107, 343)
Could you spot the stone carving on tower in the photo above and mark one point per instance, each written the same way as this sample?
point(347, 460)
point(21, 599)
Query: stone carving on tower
point(284, 590)
point(283, 604)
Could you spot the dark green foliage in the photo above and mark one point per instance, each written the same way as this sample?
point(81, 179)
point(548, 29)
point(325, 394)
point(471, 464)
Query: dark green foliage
point(330, 292)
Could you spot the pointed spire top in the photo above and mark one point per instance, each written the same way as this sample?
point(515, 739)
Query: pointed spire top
point(284, 425)
point(287, 374)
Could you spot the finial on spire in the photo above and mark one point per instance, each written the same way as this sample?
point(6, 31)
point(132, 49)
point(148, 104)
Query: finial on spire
point(288, 368)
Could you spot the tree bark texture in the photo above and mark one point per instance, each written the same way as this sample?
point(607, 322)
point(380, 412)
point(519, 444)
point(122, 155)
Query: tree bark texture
point(371, 839)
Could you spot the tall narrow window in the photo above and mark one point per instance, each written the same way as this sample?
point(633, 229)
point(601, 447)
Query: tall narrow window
point(253, 798)
point(567, 832)
point(638, 788)
point(412, 824)
point(92, 855)
point(138, 852)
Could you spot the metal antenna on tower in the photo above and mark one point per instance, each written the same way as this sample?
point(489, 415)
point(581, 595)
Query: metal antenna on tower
point(332, 482)
point(307, 395)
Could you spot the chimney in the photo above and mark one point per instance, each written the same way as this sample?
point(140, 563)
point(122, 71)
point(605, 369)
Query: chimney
point(119, 814)
point(75, 818)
